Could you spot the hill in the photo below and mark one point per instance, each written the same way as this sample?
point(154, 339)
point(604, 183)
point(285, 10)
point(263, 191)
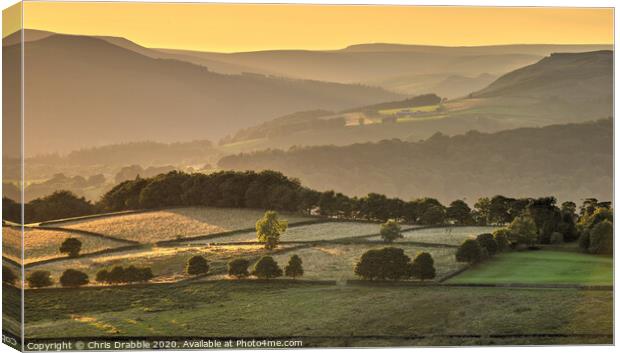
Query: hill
point(559, 160)
point(84, 91)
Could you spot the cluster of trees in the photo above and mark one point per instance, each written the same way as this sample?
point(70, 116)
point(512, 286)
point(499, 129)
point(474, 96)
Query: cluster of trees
point(483, 246)
point(392, 263)
point(596, 228)
point(8, 275)
point(120, 274)
point(60, 204)
point(265, 268)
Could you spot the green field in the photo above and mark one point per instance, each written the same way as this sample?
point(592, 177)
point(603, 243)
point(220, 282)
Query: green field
point(541, 267)
point(345, 313)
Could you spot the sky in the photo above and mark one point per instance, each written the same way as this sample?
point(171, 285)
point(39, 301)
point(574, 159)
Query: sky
point(243, 27)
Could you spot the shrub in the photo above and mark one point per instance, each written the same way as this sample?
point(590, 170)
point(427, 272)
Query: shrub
point(238, 268)
point(390, 231)
point(487, 241)
point(523, 231)
point(39, 279)
point(386, 263)
point(501, 237)
point(601, 238)
point(423, 266)
point(71, 247)
point(269, 228)
point(103, 276)
point(294, 268)
point(73, 278)
point(8, 276)
point(267, 267)
point(197, 265)
point(470, 251)
point(556, 238)
point(116, 275)
point(584, 240)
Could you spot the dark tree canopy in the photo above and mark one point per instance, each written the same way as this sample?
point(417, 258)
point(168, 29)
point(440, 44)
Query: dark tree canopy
point(197, 265)
point(423, 266)
point(238, 268)
point(8, 275)
point(73, 278)
point(470, 251)
point(386, 263)
point(39, 279)
point(488, 242)
point(119, 274)
point(294, 268)
point(71, 247)
point(459, 212)
point(267, 268)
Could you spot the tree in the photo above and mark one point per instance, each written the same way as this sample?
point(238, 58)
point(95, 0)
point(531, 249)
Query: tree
point(71, 247)
point(294, 268)
point(481, 210)
point(433, 215)
point(523, 231)
point(459, 212)
point(390, 231)
point(469, 251)
point(267, 268)
point(556, 238)
point(601, 239)
point(73, 278)
point(116, 275)
point(102, 276)
point(386, 263)
point(238, 268)
point(269, 228)
point(39, 279)
point(487, 241)
point(423, 266)
point(8, 276)
point(197, 265)
point(502, 238)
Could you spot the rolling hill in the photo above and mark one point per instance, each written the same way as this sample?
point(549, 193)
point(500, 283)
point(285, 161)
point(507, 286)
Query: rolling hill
point(559, 160)
point(84, 91)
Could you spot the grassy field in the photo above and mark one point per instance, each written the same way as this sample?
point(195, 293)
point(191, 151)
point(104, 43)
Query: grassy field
point(541, 267)
point(336, 262)
point(445, 235)
point(345, 313)
point(320, 231)
point(167, 264)
point(423, 109)
point(151, 227)
point(43, 244)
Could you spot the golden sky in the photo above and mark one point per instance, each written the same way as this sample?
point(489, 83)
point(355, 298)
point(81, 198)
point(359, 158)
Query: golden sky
point(231, 28)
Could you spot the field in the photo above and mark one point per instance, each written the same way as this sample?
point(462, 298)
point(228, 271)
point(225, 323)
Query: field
point(310, 232)
point(326, 315)
point(541, 267)
point(167, 264)
point(336, 262)
point(151, 227)
point(43, 244)
point(422, 109)
point(445, 235)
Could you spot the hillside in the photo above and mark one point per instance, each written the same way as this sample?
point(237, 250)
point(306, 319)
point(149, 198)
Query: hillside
point(84, 91)
point(559, 160)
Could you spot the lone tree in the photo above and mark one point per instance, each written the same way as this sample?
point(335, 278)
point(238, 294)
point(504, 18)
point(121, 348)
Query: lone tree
point(294, 268)
point(8, 276)
point(73, 278)
point(39, 279)
point(386, 263)
point(390, 231)
point(238, 268)
point(197, 265)
point(487, 241)
point(523, 230)
point(470, 251)
point(71, 247)
point(423, 266)
point(267, 268)
point(269, 228)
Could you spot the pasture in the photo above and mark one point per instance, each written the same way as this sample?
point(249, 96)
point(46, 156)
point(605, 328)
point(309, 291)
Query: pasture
point(442, 235)
point(154, 226)
point(42, 244)
point(421, 109)
point(337, 262)
point(342, 315)
point(309, 232)
point(541, 267)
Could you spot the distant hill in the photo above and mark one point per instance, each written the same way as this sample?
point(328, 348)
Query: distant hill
point(84, 91)
point(571, 161)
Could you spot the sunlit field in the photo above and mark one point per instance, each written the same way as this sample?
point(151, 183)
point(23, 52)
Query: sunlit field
point(43, 244)
point(443, 235)
point(167, 264)
point(151, 227)
point(310, 232)
point(337, 262)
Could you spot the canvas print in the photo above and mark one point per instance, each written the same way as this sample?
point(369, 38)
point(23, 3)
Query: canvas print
point(193, 175)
